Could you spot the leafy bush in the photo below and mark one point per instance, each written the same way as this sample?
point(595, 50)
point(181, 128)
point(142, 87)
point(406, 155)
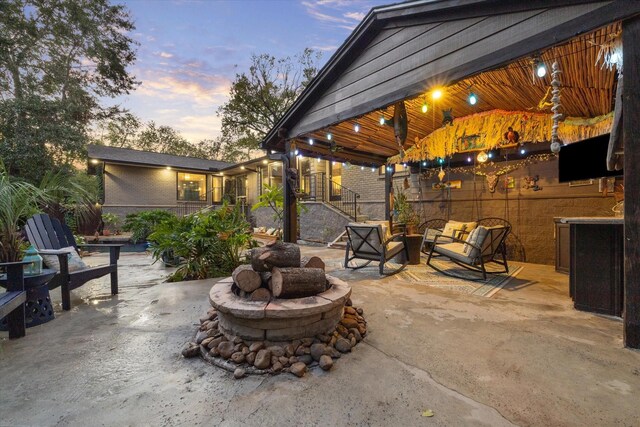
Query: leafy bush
point(142, 224)
point(209, 243)
point(111, 221)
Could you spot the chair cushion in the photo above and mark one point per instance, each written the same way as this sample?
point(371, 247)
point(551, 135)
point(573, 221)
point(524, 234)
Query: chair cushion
point(394, 248)
point(430, 234)
point(451, 229)
point(453, 251)
point(477, 238)
point(386, 231)
point(74, 260)
point(371, 232)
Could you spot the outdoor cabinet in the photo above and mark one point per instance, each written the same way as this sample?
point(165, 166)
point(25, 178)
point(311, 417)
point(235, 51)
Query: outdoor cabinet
point(563, 252)
point(596, 276)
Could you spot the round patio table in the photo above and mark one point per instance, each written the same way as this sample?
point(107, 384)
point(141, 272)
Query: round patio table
point(38, 307)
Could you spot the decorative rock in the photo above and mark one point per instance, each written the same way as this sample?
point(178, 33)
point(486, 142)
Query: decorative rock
point(300, 351)
point(245, 350)
point(349, 323)
point(256, 346)
point(213, 333)
point(204, 319)
point(214, 342)
point(362, 329)
point(298, 369)
point(213, 324)
point(274, 359)
point(307, 341)
point(238, 347)
point(263, 359)
point(324, 338)
point(317, 350)
point(250, 358)
point(342, 330)
point(277, 367)
point(306, 359)
point(353, 342)
point(276, 350)
point(348, 303)
point(343, 346)
point(200, 336)
point(292, 360)
point(360, 311)
point(238, 357)
point(350, 310)
point(226, 349)
point(356, 333)
point(333, 353)
point(325, 362)
point(190, 349)
point(205, 342)
point(214, 352)
point(284, 360)
point(237, 340)
point(239, 373)
point(289, 350)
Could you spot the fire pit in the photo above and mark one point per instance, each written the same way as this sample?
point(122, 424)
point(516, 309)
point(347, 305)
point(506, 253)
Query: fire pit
point(281, 313)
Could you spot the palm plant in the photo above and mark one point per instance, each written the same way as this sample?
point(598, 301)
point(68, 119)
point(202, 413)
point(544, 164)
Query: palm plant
point(69, 195)
point(18, 201)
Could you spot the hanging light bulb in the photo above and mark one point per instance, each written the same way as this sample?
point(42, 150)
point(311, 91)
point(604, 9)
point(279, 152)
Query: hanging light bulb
point(318, 159)
point(356, 127)
point(425, 106)
point(329, 136)
point(296, 152)
point(361, 168)
point(310, 141)
point(482, 157)
point(539, 67)
point(382, 120)
point(373, 168)
point(436, 94)
point(473, 99)
point(490, 155)
point(469, 159)
point(424, 163)
point(523, 151)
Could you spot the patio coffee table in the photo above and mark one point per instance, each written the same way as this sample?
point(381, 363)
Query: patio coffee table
point(38, 307)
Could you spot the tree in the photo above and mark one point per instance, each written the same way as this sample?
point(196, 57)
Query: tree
point(260, 97)
point(57, 58)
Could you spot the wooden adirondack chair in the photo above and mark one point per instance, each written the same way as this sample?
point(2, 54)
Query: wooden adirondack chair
point(12, 301)
point(48, 235)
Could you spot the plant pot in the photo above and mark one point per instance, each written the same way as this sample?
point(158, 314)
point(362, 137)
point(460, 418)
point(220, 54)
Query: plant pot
point(106, 232)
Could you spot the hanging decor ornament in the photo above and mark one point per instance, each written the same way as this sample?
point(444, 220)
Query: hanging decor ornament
point(555, 99)
point(441, 174)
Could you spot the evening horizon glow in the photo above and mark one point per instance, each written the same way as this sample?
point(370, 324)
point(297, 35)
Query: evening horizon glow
point(190, 51)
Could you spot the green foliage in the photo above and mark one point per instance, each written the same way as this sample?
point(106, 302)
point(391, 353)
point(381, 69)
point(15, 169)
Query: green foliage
point(70, 196)
point(111, 221)
point(260, 97)
point(210, 243)
point(57, 60)
point(18, 201)
point(273, 197)
point(403, 209)
point(142, 224)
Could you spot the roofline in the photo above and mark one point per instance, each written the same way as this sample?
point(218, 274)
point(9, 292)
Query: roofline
point(376, 18)
point(155, 166)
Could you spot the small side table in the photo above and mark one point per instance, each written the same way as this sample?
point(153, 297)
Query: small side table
point(414, 241)
point(38, 307)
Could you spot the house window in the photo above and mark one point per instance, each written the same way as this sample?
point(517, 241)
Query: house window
point(192, 187)
point(304, 172)
point(275, 173)
point(399, 169)
point(216, 189)
point(241, 186)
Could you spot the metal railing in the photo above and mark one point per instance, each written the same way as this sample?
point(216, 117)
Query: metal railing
point(188, 208)
point(344, 199)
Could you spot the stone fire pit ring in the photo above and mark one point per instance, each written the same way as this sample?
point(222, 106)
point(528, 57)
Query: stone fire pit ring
point(278, 320)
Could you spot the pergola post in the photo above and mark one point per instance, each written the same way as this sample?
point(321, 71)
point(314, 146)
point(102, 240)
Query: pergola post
point(290, 226)
point(631, 132)
point(388, 190)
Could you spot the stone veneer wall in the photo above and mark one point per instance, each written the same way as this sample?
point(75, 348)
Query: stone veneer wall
point(321, 223)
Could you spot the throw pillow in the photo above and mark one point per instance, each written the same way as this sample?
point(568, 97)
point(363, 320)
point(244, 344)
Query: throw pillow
point(451, 229)
point(74, 260)
point(476, 238)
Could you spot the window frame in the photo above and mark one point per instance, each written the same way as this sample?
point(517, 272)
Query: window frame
point(206, 184)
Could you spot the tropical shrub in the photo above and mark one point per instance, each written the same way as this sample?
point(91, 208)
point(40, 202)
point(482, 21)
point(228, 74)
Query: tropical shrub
point(209, 243)
point(111, 221)
point(141, 224)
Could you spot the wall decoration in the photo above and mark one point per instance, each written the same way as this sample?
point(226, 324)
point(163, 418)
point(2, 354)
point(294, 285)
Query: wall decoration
point(470, 143)
point(555, 98)
point(509, 182)
point(511, 136)
point(447, 117)
point(457, 184)
point(581, 183)
point(531, 183)
point(605, 185)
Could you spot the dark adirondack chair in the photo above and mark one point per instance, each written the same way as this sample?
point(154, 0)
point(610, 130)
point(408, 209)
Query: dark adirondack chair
point(48, 235)
point(12, 301)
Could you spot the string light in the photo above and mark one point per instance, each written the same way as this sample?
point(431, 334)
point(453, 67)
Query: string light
point(539, 67)
point(310, 141)
point(356, 127)
point(469, 159)
point(473, 99)
point(382, 120)
point(361, 168)
point(523, 151)
point(436, 94)
point(482, 157)
point(424, 163)
point(296, 152)
point(329, 136)
point(425, 106)
point(318, 159)
point(373, 168)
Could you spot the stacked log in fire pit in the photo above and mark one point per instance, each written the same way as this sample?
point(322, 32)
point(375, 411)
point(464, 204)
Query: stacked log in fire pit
point(281, 313)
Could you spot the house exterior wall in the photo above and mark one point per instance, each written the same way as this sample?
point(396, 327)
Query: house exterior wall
point(129, 189)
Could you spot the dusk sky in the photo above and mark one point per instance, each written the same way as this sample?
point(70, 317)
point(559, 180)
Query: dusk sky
point(190, 51)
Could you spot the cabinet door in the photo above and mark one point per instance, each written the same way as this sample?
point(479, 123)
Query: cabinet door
point(563, 246)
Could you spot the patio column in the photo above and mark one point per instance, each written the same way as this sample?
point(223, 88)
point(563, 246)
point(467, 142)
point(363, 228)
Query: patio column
point(631, 132)
point(290, 226)
point(388, 189)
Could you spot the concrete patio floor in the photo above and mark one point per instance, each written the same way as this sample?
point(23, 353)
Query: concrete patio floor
point(522, 357)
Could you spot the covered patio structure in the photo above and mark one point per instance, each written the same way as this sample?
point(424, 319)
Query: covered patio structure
point(401, 57)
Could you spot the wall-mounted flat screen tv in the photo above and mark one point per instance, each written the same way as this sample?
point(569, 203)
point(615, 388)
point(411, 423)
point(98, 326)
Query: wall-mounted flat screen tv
point(585, 159)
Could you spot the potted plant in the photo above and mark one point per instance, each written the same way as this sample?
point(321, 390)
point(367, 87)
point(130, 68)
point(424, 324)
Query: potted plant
point(404, 212)
point(111, 222)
